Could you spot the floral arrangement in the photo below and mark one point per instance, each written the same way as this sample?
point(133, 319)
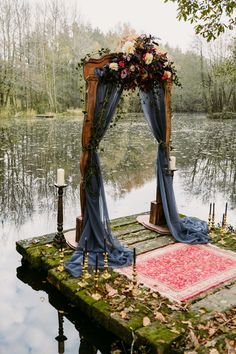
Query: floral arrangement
point(142, 63)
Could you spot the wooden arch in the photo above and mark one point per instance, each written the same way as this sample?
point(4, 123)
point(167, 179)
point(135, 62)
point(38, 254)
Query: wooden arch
point(156, 211)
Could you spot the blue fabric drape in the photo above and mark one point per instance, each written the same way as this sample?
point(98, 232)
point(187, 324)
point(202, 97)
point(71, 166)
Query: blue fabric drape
point(96, 226)
point(188, 229)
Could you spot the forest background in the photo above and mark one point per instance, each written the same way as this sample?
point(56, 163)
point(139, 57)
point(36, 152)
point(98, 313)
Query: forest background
point(40, 48)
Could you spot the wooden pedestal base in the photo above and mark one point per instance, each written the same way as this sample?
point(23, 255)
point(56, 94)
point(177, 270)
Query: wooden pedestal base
point(79, 225)
point(70, 239)
point(160, 229)
point(157, 216)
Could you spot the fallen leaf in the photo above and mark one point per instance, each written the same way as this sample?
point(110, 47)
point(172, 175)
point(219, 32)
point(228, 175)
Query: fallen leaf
point(155, 295)
point(222, 242)
point(123, 314)
point(174, 307)
point(146, 321)
point(211, 343)
point(213, 351)
point(110, 290)
point(230, 346)
point(174, 330)
point(220, 317)
point(159, 316)
point(189, 323)
point(202, 311)
point(193, 338)
point(212, 331)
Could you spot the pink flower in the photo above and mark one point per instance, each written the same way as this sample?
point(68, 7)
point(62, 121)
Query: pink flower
point(124, 73)
point(166, 75)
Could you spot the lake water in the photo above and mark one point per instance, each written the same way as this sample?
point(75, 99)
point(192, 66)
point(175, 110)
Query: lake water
point(31, 150)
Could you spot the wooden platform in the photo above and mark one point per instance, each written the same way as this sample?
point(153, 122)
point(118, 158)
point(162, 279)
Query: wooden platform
point(155, 322)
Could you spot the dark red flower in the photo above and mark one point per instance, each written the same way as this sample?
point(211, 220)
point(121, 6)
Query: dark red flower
point(121, 64)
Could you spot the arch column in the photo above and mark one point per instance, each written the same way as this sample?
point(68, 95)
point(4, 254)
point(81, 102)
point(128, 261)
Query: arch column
point(157, 216)
point(90, 102)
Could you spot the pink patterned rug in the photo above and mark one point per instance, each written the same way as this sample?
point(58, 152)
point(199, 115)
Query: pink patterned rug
point(180, 271)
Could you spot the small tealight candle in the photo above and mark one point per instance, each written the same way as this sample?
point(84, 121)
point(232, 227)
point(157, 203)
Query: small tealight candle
point(60, 177)
point(172, 163)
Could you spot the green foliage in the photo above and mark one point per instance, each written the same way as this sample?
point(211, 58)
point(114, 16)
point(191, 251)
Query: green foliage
point(211, 17)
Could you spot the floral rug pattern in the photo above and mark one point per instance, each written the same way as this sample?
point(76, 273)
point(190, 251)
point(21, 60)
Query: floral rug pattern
point(182, 271)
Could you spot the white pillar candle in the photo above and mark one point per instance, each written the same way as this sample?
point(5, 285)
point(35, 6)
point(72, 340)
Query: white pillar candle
point(172, 163)
point(60, 177)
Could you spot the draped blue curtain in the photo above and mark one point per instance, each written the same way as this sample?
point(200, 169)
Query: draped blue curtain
point(188, 229)
point(96, 225)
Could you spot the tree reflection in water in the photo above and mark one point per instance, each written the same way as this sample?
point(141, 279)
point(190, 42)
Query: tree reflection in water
point(32, 150)
point(207, 156)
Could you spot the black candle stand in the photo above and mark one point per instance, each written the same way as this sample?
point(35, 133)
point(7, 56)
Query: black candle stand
point(59, 239)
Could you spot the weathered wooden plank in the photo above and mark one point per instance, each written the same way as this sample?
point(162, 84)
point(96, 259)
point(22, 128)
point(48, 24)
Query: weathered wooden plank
point(126, 231)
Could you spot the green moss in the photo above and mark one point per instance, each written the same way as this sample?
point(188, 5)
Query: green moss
point(158, 336)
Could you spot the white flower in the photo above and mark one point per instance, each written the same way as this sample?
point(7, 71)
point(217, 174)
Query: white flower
point(132, 68)
point(148, 58)
point(113, 66)
point(128, 47)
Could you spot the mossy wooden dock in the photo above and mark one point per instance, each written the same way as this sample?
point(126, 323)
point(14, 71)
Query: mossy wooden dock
point(146, 320)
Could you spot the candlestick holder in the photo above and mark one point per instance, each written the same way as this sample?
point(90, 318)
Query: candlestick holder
point(83, 283)
point(61, 338)
point(213, 218)
point(61, 261)
point(105, 274)
point(169, 172)
point(225, 220)
point(135, 290)
point(59, 239)
point(209, 219)
point(96, 295)
point(87, 275)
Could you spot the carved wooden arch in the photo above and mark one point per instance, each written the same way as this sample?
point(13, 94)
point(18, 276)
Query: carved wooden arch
point(156, 213)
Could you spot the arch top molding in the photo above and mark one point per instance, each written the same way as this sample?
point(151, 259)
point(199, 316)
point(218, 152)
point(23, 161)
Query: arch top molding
point(93, 63)
point(91, 88)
